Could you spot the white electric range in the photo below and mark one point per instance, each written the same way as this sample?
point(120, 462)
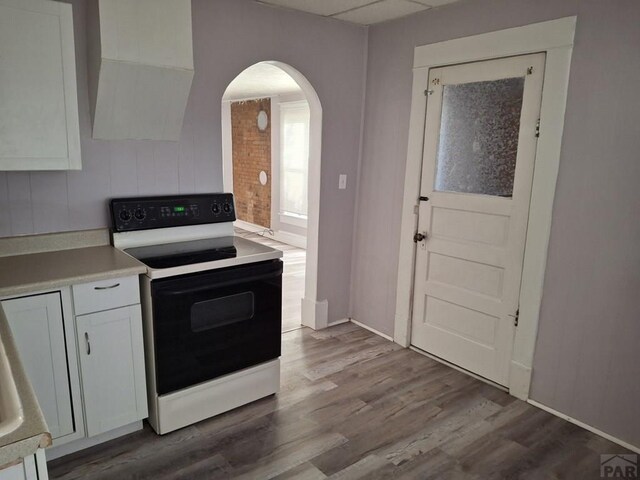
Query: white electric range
point(211, 303)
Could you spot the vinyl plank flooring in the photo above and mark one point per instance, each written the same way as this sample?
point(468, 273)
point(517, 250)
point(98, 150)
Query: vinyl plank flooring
point(355, 406)
point(306, 471)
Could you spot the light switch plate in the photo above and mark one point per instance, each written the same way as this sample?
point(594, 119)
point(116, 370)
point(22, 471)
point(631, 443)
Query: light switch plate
point(342, 182)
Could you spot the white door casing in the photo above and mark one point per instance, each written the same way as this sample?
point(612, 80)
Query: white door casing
point(555, 38)
point(314, 310)
point(469, 265)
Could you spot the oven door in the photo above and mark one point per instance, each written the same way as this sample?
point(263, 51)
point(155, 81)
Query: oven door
point(217, 322)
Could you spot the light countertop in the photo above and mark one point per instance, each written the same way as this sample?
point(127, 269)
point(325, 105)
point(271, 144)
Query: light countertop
point(33, 432)
point(41, 271)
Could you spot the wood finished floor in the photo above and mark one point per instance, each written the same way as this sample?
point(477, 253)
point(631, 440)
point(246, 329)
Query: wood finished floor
point(353, 406)
point(294, 260)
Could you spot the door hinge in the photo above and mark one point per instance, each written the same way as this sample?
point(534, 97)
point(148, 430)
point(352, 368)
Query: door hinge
point(538, 128)
point(516, 318)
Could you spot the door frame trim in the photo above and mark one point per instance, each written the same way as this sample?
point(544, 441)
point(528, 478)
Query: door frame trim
point(314, 311)
point(555, 38)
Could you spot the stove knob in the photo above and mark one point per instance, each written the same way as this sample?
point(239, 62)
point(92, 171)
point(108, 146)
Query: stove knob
point(226, 207)
point(125, 215)
point(139, 214)
point(215, 208)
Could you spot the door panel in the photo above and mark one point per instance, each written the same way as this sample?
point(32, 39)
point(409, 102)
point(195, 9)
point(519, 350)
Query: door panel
point(465, 322)
point(471, 226)
point(37, 325)
point(112, 368)
point(477, 172)
point(473, 276)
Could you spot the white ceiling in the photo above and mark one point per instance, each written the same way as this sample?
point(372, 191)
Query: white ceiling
point(363, 12)
point(260, 80)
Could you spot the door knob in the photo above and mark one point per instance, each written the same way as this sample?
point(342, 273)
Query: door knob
point(418, 237)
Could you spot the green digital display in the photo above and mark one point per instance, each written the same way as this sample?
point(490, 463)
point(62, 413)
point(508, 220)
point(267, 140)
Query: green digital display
point(178, 209)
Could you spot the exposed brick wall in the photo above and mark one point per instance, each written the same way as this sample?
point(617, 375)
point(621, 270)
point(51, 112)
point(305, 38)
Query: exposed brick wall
point(251, 155)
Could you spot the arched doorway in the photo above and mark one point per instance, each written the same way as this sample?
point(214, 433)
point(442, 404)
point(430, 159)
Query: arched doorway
point(282, 82)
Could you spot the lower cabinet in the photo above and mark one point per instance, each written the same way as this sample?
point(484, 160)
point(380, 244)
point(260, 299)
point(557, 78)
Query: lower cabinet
point(37, 324)
point(87, 371)
point(112, 368)
point(33, 467)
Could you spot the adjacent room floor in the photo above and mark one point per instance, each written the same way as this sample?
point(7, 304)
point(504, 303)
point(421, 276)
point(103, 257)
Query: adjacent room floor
point(294, 260)
point(354, 405)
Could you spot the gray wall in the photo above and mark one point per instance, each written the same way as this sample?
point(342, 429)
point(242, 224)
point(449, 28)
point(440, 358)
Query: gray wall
point(586, 362)
point(229, 35)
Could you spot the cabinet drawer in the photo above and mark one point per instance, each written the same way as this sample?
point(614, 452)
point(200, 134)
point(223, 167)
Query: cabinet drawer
point(105, 294)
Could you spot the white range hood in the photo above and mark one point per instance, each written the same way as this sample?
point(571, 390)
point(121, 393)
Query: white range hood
point(140, 67)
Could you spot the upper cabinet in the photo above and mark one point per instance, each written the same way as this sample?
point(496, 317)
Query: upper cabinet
point(140, 67)
point(38, 98)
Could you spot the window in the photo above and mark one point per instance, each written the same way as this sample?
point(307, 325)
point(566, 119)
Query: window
point(479, 132)
point(294, 158)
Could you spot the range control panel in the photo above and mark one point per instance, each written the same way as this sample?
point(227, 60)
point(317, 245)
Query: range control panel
point(143, 213)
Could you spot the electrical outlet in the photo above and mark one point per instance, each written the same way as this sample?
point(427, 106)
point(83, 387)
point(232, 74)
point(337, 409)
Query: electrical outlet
point(342, 182)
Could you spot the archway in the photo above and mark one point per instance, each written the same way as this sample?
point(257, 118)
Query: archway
point(312, 313)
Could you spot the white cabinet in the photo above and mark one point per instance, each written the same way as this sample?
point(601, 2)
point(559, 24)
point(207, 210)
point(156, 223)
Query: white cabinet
point(39, 127)
point(33, 467)
point(112, 368)
point(111, 355)
point(87, 371)
point(37, 324)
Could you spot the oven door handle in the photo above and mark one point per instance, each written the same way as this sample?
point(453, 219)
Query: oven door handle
point(214, 286)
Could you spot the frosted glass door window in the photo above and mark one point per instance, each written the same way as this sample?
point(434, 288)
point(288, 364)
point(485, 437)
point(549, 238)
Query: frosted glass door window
point(478, 141)
point(294, 144)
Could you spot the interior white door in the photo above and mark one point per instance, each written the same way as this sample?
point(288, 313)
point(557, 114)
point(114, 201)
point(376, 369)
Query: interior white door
point(479, 150)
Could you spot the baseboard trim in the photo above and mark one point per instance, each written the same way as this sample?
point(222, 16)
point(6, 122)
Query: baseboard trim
point(249, 227)
point(372, 330)
point(75, 446)
point(519, 380)
point(339, 322)
point(278, 235)
point(569, 419)
point(293, 329)
point(315, 314)
point(290, 239)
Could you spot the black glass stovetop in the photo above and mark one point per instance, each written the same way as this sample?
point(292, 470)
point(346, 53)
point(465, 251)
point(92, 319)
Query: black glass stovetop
point(169, 255)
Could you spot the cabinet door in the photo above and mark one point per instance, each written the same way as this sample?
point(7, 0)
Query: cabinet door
point(33, 467)
point(112, 368)
point(39, 127)
point(36, 323)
